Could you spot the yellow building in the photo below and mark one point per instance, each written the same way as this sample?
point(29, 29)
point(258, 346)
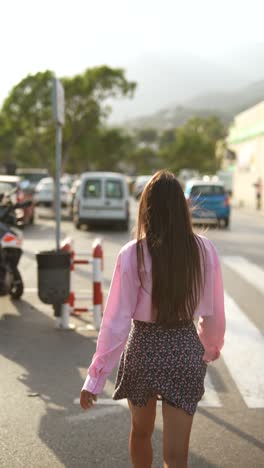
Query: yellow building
point(246, 139)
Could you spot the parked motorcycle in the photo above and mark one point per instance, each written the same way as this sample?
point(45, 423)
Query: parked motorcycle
point(11, 239)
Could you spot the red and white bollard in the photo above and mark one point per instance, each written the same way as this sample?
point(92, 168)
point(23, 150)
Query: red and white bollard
point(67, 308)
point(97, 283)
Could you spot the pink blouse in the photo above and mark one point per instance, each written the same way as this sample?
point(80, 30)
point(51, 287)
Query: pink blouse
point(127, 300)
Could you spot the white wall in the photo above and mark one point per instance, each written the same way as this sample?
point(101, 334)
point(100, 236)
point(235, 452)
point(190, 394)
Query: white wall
point(249, 167)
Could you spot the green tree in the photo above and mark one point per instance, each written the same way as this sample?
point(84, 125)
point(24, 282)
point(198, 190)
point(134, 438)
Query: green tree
point(7, 137)
point(195, 146)
point(102, 149)
point(86, 109)
point(26, 117)
point(144, 160)
point(167, 137)
point(147, 135)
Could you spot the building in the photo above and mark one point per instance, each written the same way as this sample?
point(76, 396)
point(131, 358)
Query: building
point(246, 139)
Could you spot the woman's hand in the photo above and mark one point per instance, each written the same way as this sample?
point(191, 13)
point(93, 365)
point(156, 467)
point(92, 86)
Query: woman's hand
point(87, 399)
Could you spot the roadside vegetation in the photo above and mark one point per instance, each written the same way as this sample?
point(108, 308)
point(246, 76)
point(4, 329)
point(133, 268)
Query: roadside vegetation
point(27, 134)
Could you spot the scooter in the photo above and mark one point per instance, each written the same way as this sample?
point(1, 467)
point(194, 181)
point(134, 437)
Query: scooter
point(11, 239)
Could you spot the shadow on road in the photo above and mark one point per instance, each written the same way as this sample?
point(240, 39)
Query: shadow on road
point(51, 360)
point(41, 232)
point(232, 428)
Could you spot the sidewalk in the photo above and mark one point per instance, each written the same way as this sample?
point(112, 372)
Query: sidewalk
point(248, 210)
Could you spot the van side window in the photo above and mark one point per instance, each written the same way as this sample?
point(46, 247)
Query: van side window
point(113, 189)
point(92, 189)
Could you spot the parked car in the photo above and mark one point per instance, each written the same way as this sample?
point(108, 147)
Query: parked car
point(209, 202)
point(22, 193)
point(72, 195)
point(44, 192)
point(32, 176)
point(102, 198)
point(68, 179)
point(139, 185)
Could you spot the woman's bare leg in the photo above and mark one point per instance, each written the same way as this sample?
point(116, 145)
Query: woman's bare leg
point(177, 426)
point(142, 426)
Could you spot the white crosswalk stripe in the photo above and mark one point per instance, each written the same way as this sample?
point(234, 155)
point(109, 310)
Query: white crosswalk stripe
point(252, 273)
point(243, 353)
point(243, 350)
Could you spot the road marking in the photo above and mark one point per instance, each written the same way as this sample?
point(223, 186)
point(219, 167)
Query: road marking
point(106, 402)
point(243, 353)
point(87, 327)
point(94, 414)
point(252, 273)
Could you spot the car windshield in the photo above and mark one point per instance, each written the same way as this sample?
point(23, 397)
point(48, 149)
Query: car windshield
point(203, 190)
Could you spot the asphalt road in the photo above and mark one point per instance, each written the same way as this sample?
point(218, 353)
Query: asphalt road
point(42, 369)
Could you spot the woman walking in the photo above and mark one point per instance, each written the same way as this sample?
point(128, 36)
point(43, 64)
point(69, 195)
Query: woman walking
point(163, 281)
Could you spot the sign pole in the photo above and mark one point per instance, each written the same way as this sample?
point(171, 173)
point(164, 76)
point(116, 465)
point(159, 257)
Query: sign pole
point(58, 116)
point(57, 184)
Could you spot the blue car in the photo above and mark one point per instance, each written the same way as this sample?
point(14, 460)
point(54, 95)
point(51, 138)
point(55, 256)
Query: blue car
point(209, 202)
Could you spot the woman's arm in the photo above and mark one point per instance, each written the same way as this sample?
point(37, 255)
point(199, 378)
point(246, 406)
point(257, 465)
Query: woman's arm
point(115, 327)
point(211, 328)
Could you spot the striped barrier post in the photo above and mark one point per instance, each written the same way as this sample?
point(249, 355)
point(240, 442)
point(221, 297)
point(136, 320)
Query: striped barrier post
point(97, 283)
point(79, 310)
point(68, 307)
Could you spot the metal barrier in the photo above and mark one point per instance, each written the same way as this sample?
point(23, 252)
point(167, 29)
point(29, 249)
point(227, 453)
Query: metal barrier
point(69, 307)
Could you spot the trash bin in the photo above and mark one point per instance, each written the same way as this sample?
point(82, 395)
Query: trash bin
point(53, 276)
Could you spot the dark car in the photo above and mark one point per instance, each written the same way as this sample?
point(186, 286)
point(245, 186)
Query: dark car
point(140, 184)
point(9, 183)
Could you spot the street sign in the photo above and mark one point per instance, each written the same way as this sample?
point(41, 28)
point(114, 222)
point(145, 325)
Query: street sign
point(58, 101)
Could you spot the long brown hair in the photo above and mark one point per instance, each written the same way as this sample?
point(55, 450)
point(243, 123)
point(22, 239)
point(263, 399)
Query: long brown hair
point(177, 254)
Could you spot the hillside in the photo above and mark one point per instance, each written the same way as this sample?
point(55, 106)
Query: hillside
point(223, 104)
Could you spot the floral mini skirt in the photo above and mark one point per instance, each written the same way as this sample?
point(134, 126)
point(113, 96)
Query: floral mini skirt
point(163, 363)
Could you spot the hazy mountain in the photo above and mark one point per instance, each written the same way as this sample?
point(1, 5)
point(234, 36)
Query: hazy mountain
point(164, 81)
point(248, 62)
point(223, 104)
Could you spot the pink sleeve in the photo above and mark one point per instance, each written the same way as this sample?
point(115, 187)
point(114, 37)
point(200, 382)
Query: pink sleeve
point(211, 329)
point(115, 327)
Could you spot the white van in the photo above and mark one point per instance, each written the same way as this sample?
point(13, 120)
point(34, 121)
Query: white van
point(102, 197)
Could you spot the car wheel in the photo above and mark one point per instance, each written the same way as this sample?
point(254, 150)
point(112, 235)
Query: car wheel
point(124, 225)
point(226, 222)
point(17, 287)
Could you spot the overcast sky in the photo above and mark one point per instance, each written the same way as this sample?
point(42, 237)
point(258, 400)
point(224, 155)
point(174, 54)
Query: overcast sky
point(68, 36)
